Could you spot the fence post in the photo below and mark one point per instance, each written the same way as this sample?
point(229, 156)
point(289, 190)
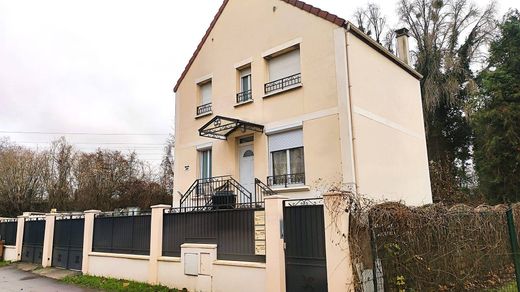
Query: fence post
point(514, 244)
point(48, 240)
point(88, 237)
point(340, 274)
point(274, 244)
point(19, 236)
point(156, 237)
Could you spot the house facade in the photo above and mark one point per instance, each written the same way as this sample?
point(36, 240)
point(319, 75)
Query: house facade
point(283, 97)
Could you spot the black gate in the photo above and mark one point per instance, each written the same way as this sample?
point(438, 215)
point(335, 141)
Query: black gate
point(304, 235)
point(32, 247)
point(67, 249)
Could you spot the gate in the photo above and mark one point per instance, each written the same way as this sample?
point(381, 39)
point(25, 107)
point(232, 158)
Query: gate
point(67, 249)
point(304, 235)
point(32, 247)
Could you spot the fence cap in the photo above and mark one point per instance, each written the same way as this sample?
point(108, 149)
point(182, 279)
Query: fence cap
point(163, 206)
point(276, 197)
point(92, 211)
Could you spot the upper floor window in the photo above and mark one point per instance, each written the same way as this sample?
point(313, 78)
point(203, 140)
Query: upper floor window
point(284, 71)
point(205, 90)
point(245, 93)
point(287, 159)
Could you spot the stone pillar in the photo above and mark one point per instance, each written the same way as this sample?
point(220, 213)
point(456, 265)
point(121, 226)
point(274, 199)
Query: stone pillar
point(88, 236)
point(19, 236)
point(340, 274)
point(274, 244)
point(48, 240)
point(156, 235)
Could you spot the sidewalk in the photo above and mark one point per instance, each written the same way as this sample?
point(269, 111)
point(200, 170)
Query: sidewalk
point(27, 278)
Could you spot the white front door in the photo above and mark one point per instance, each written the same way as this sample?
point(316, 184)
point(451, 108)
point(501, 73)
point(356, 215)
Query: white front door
point(247, 176)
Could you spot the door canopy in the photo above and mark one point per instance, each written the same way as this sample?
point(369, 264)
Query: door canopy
point(221, 127)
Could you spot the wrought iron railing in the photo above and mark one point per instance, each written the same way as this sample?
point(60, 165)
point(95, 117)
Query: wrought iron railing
point(262, 190)
point(283, 83)
point(216, 193)
point(244, 96)
point(286, 180)
point(202, 109)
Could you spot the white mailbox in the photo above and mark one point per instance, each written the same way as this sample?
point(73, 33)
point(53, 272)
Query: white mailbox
point(191, 264)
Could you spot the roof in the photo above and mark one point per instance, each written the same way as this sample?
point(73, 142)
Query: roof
point(310, 9)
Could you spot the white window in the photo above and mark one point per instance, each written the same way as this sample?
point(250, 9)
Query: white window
point(205, 92)
point(245, 79)
point(284, 65)
point(287, 159)
point(205, 163)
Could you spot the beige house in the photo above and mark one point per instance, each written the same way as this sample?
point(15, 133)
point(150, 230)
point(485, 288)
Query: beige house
point(283, 96)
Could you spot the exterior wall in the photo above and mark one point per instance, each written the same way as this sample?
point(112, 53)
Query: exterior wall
point(230, 44)
point(388, 128)
point(10, 253)
point(249, 278)
point(245, 278)
point(126, 267)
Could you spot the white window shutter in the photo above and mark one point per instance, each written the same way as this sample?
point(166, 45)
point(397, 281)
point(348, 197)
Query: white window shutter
point(284, 65)
point(286, 140)
point(205, 91)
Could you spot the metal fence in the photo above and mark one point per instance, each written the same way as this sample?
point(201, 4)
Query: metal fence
point(232, 230)
point(8, 230)
point(122, 233)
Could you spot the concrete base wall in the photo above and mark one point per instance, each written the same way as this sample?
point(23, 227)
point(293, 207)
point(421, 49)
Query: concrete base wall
point(171, 274)
point(128, 267)
point(10, 253)
point(238, 277)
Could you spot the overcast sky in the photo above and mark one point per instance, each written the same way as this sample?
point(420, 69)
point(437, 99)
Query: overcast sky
point(107, 67)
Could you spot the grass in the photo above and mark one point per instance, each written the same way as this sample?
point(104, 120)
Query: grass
point(509, 287)
point(115, 285)
point(4, 263)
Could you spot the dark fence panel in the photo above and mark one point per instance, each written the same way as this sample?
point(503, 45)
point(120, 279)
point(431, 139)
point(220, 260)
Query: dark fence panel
point(124, 234)
point(32, 248)
point(232, 230)
point(68, 243)
point(8, 232)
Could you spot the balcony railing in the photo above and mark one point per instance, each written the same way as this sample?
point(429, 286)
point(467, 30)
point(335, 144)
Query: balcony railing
point(202, 109)
point(283, 83)
point(244, 96)
point(286, 180)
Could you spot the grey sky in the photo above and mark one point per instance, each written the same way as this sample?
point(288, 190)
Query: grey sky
point(106, 66)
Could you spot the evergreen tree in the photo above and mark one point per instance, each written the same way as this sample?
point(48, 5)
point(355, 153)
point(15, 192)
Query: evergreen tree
point(496, 120)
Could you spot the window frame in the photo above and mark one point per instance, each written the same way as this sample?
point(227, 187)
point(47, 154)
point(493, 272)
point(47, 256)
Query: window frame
point(209, 168)
point(288, 160)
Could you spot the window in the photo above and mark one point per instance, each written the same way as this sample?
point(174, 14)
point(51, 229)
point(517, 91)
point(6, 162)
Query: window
point(205, 92)
point(205, 163)
point(284, 72)
point(245, 93)
point(205, 98)
point(287, 159)
point(284, 65)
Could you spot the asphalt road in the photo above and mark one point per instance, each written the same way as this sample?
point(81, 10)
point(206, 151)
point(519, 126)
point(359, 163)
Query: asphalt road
point(12, 279)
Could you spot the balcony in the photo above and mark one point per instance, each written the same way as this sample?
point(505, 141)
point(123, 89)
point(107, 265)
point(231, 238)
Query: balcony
point(223, 192)
point(204, 109)
point(244, 96)
point(283, 84)
point(286, 180)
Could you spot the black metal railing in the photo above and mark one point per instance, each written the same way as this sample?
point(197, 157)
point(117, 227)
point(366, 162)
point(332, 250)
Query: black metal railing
point(283, 83)
point(8, 230)
point(244, 96)
point(202, 109)
point(218, 193)
point(286, 180)
point(262, 190)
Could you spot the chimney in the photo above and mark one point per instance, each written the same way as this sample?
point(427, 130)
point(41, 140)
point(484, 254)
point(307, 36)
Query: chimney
point(403, 49)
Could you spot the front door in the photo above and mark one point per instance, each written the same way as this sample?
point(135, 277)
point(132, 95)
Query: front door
point(246, 165)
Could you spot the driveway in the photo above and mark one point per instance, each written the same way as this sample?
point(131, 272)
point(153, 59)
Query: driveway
point(13, 279)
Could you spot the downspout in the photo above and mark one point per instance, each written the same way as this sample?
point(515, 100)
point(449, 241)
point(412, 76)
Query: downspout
point(350, 124)
point(349, 176)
